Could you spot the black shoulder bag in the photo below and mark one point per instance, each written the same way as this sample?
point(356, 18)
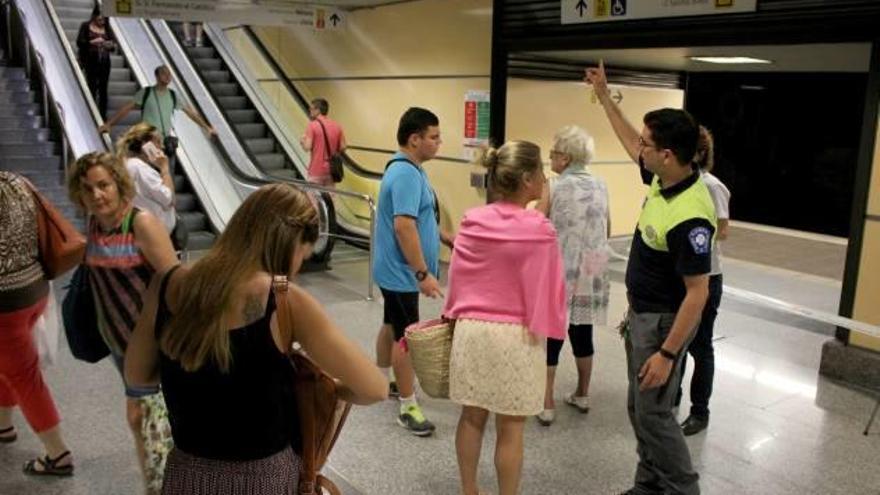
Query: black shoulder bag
point(337, 172)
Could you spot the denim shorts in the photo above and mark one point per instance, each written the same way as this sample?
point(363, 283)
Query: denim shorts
point(130, 391)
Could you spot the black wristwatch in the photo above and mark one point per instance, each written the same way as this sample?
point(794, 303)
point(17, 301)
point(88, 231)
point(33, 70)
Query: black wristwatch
point(668, 355)
point(421, 275)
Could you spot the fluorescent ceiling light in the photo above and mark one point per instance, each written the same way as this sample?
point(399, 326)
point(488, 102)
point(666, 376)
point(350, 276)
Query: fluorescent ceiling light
point(731, 60)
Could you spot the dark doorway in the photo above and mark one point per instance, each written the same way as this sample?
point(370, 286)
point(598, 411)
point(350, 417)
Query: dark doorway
point(786, 144)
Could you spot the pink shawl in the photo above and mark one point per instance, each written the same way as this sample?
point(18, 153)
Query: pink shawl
point(506, 267)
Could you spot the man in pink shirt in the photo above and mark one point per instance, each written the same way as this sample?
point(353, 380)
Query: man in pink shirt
point(320, 133)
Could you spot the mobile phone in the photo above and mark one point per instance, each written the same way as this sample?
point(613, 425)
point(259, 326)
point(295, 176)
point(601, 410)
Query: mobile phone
point(151, 150)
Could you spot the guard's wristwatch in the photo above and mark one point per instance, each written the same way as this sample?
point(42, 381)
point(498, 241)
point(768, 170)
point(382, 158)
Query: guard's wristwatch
point(421, 275)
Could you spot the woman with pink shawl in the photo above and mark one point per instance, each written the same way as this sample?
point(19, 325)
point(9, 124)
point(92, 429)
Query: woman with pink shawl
point(507, 295)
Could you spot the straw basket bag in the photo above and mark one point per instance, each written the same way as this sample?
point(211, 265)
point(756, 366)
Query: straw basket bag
point(430, 344)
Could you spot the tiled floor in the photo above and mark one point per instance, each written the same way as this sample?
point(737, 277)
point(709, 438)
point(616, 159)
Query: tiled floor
point(777, 428)
point(815, 255)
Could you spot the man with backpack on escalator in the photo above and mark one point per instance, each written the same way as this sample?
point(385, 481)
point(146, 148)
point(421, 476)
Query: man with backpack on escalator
point(157, 104)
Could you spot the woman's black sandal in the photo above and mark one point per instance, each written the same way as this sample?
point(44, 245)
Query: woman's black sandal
point(6, 437)
point(50, 466)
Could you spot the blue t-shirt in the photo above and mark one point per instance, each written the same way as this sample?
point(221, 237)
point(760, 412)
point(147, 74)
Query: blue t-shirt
point(404, 191)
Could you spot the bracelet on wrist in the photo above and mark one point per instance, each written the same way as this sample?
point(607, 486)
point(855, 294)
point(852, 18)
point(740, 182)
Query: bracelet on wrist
point(668, 355)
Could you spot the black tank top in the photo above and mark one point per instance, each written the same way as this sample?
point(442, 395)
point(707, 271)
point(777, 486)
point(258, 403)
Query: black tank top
point(247, 413)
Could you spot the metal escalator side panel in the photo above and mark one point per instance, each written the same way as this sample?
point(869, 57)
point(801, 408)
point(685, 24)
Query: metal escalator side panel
point(77, 119)
point(79, 73)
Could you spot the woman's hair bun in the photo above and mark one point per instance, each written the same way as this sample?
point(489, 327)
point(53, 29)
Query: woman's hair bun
point(490, 158)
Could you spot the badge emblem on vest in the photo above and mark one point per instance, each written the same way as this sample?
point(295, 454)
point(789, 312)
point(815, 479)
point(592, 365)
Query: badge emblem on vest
point(650, 233)
point(699, 238)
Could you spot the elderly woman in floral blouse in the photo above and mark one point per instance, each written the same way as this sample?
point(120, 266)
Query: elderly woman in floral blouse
point(576, 202)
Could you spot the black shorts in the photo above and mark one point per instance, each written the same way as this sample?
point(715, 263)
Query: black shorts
point(401, 310)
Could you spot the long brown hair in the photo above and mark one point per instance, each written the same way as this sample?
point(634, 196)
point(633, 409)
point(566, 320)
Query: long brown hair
point(704, 159)
point(262, 235)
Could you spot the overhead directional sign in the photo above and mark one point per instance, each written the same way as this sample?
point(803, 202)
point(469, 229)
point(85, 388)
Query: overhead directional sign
point(327, 19)
point(259, 13)
point(582, 11)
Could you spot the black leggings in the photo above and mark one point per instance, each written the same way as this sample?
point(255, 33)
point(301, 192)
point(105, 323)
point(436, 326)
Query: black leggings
point(581, 337)
point(98, 78)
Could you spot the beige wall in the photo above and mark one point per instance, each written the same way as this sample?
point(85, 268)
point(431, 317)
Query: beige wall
point(427, 37)
point(867, 299)
point(375, 68)
point(874, 191)
point(866, 306)
point(426, 53)
point(536, 109)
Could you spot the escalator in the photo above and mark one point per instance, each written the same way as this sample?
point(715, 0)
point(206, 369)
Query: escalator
point(213, 179)
point(206, 96)
point(122, 88)
point(26, 142)
point(265, 138)
point(249, 125)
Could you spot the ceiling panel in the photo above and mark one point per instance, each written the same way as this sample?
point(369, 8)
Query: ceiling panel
point(344, 4)
point(839, 57)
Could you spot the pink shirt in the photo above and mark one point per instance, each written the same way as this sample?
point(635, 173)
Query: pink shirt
point(506, 267)
point(319, 165)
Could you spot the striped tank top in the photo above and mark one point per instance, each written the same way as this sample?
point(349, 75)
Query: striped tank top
point(119, 275)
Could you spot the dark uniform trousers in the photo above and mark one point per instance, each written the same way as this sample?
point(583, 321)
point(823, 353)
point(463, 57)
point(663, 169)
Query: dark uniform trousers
point(664, 459)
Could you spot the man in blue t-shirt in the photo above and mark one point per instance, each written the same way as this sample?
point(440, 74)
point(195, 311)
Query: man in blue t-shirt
point(406, 253)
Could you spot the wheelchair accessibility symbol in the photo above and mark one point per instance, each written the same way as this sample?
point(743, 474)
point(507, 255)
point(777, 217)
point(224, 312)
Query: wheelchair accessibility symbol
point(618, 8)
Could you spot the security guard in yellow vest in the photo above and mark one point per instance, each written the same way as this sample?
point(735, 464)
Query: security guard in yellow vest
point(667, 285)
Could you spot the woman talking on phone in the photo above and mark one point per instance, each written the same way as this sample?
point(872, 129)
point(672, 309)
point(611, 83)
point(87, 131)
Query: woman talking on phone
point(141, 149)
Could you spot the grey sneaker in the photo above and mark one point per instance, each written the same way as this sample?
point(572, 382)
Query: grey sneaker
point(412, 419)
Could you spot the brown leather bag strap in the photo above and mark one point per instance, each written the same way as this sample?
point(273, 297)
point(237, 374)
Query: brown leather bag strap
point(308, 432)
point(328, 485)
point(309, 472)
point(280, 285)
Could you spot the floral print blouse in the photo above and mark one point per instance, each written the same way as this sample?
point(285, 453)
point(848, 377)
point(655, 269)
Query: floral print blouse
point(579, 212)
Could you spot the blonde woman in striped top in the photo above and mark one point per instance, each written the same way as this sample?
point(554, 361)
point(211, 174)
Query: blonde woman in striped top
point(125, 247)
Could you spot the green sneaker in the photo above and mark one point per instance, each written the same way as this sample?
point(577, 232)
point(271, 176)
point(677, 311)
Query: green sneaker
point(412, 419)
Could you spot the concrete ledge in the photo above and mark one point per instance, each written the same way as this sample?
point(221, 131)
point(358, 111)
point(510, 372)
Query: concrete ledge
point(850, 365)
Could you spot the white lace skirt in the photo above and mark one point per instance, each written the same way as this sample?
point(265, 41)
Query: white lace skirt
point(497, 366)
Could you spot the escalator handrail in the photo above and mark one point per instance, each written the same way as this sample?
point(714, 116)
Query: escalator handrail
point(304, 105)
point(391, 152)
point(77, 70)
